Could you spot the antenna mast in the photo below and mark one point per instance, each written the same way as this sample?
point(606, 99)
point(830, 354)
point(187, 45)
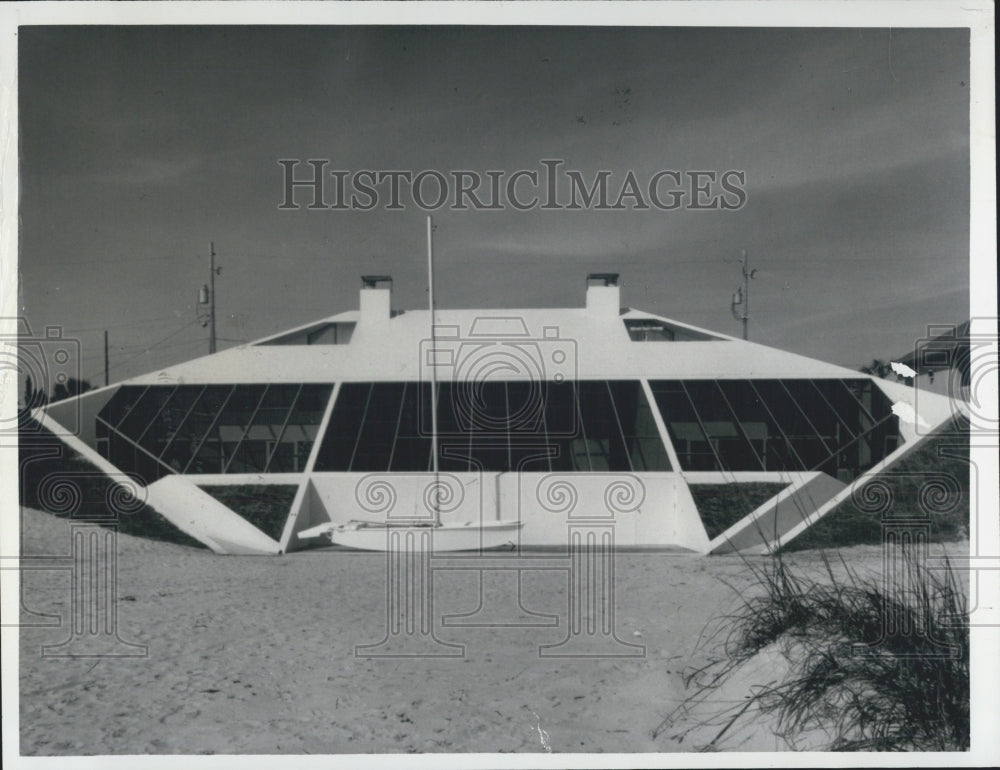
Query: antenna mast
point(211, 300)
point(741, 297)
point(433, 367)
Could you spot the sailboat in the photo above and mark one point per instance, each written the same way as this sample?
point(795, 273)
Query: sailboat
point(453, 536)
point(427, 535)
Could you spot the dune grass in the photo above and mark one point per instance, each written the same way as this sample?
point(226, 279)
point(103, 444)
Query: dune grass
point(872, 664)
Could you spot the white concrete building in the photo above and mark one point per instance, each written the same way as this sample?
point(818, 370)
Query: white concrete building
point(597, 414)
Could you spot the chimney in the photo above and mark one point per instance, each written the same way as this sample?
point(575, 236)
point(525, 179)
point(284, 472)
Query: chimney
point(602, 294)
point(376, 299)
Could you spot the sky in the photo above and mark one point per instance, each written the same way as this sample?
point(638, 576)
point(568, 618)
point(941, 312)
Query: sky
point(141, 145)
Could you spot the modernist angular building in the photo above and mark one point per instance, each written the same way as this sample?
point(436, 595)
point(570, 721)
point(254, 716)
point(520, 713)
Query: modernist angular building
point(599, 414)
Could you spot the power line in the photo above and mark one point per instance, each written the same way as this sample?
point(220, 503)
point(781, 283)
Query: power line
point(121, 326)
point(157, 343)
point(185, 343)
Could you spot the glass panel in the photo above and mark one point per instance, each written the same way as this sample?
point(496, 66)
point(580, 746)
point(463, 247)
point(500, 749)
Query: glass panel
point(226, 432)
point(761, 446)
point(843, 406)
point(605, 442)
point(885, 437)
point(642, 438)
point(488, 441)
point(807, 444)
point(192, 431)
point(162, 429)
point(529, 447)
point(851, 424)
point(453, 438)
point(378, 431)
point(579, 452)
point(731, 440)
point(127, 456)
point(412, 451)
point(878, 426)
point(291, 453)
point(342, 433)
point(816, 409)
point(145, 411)
point(694, 450)
point(121, 404)
point(648, 331)
point(264, 429)
point(526, 410)
point(488, 404)
point(562, 423)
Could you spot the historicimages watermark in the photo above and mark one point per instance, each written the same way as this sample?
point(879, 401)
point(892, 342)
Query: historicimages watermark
point(550, 187)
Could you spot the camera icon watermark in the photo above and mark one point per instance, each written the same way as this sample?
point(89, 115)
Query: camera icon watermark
point(969, 360)
point(472, 370)
point(48, 363)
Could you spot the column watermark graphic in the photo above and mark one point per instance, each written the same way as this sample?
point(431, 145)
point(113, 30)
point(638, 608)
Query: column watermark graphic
point(508, 415)
point(47, 368)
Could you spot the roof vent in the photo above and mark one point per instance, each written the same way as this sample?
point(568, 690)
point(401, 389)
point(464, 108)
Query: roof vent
point(605, 279)
point(602, 294)
point(376, 299)
point(372, 281)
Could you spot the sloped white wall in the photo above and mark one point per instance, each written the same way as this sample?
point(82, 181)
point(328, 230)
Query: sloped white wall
point(198, 514)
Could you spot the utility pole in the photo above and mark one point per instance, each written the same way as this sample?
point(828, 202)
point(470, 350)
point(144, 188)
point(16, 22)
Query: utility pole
point(741, 297)
point(107, 381)
point(211, 298)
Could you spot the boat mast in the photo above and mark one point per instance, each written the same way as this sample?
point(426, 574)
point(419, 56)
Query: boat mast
point(433, 368)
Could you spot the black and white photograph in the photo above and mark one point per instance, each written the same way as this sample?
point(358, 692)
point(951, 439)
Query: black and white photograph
point(510, 385)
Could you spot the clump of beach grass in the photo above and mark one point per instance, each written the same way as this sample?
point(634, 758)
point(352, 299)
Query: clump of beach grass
point(869, 663)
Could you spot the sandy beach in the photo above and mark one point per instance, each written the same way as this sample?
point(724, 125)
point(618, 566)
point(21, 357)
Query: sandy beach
point(256, 655)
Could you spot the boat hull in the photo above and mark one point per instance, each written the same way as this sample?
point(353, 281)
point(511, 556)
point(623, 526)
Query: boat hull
point(470, 536)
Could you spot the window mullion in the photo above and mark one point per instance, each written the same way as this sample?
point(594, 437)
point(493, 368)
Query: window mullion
point(704, 430)
point(739, 425)
point(129, 411)
point(832, 409)
point(184, 419)
point(549, 456)
point(777, 424)
point(284, 427)
point(361, 425)
point(144, 451)
point(850, 443)
point(506, 401)
point(211, 426)
point(621, 430)
point(583, 429)
point(153, 419)
point(802, 411)
point(246, 429)
point(399, 421)
point(860, 404)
